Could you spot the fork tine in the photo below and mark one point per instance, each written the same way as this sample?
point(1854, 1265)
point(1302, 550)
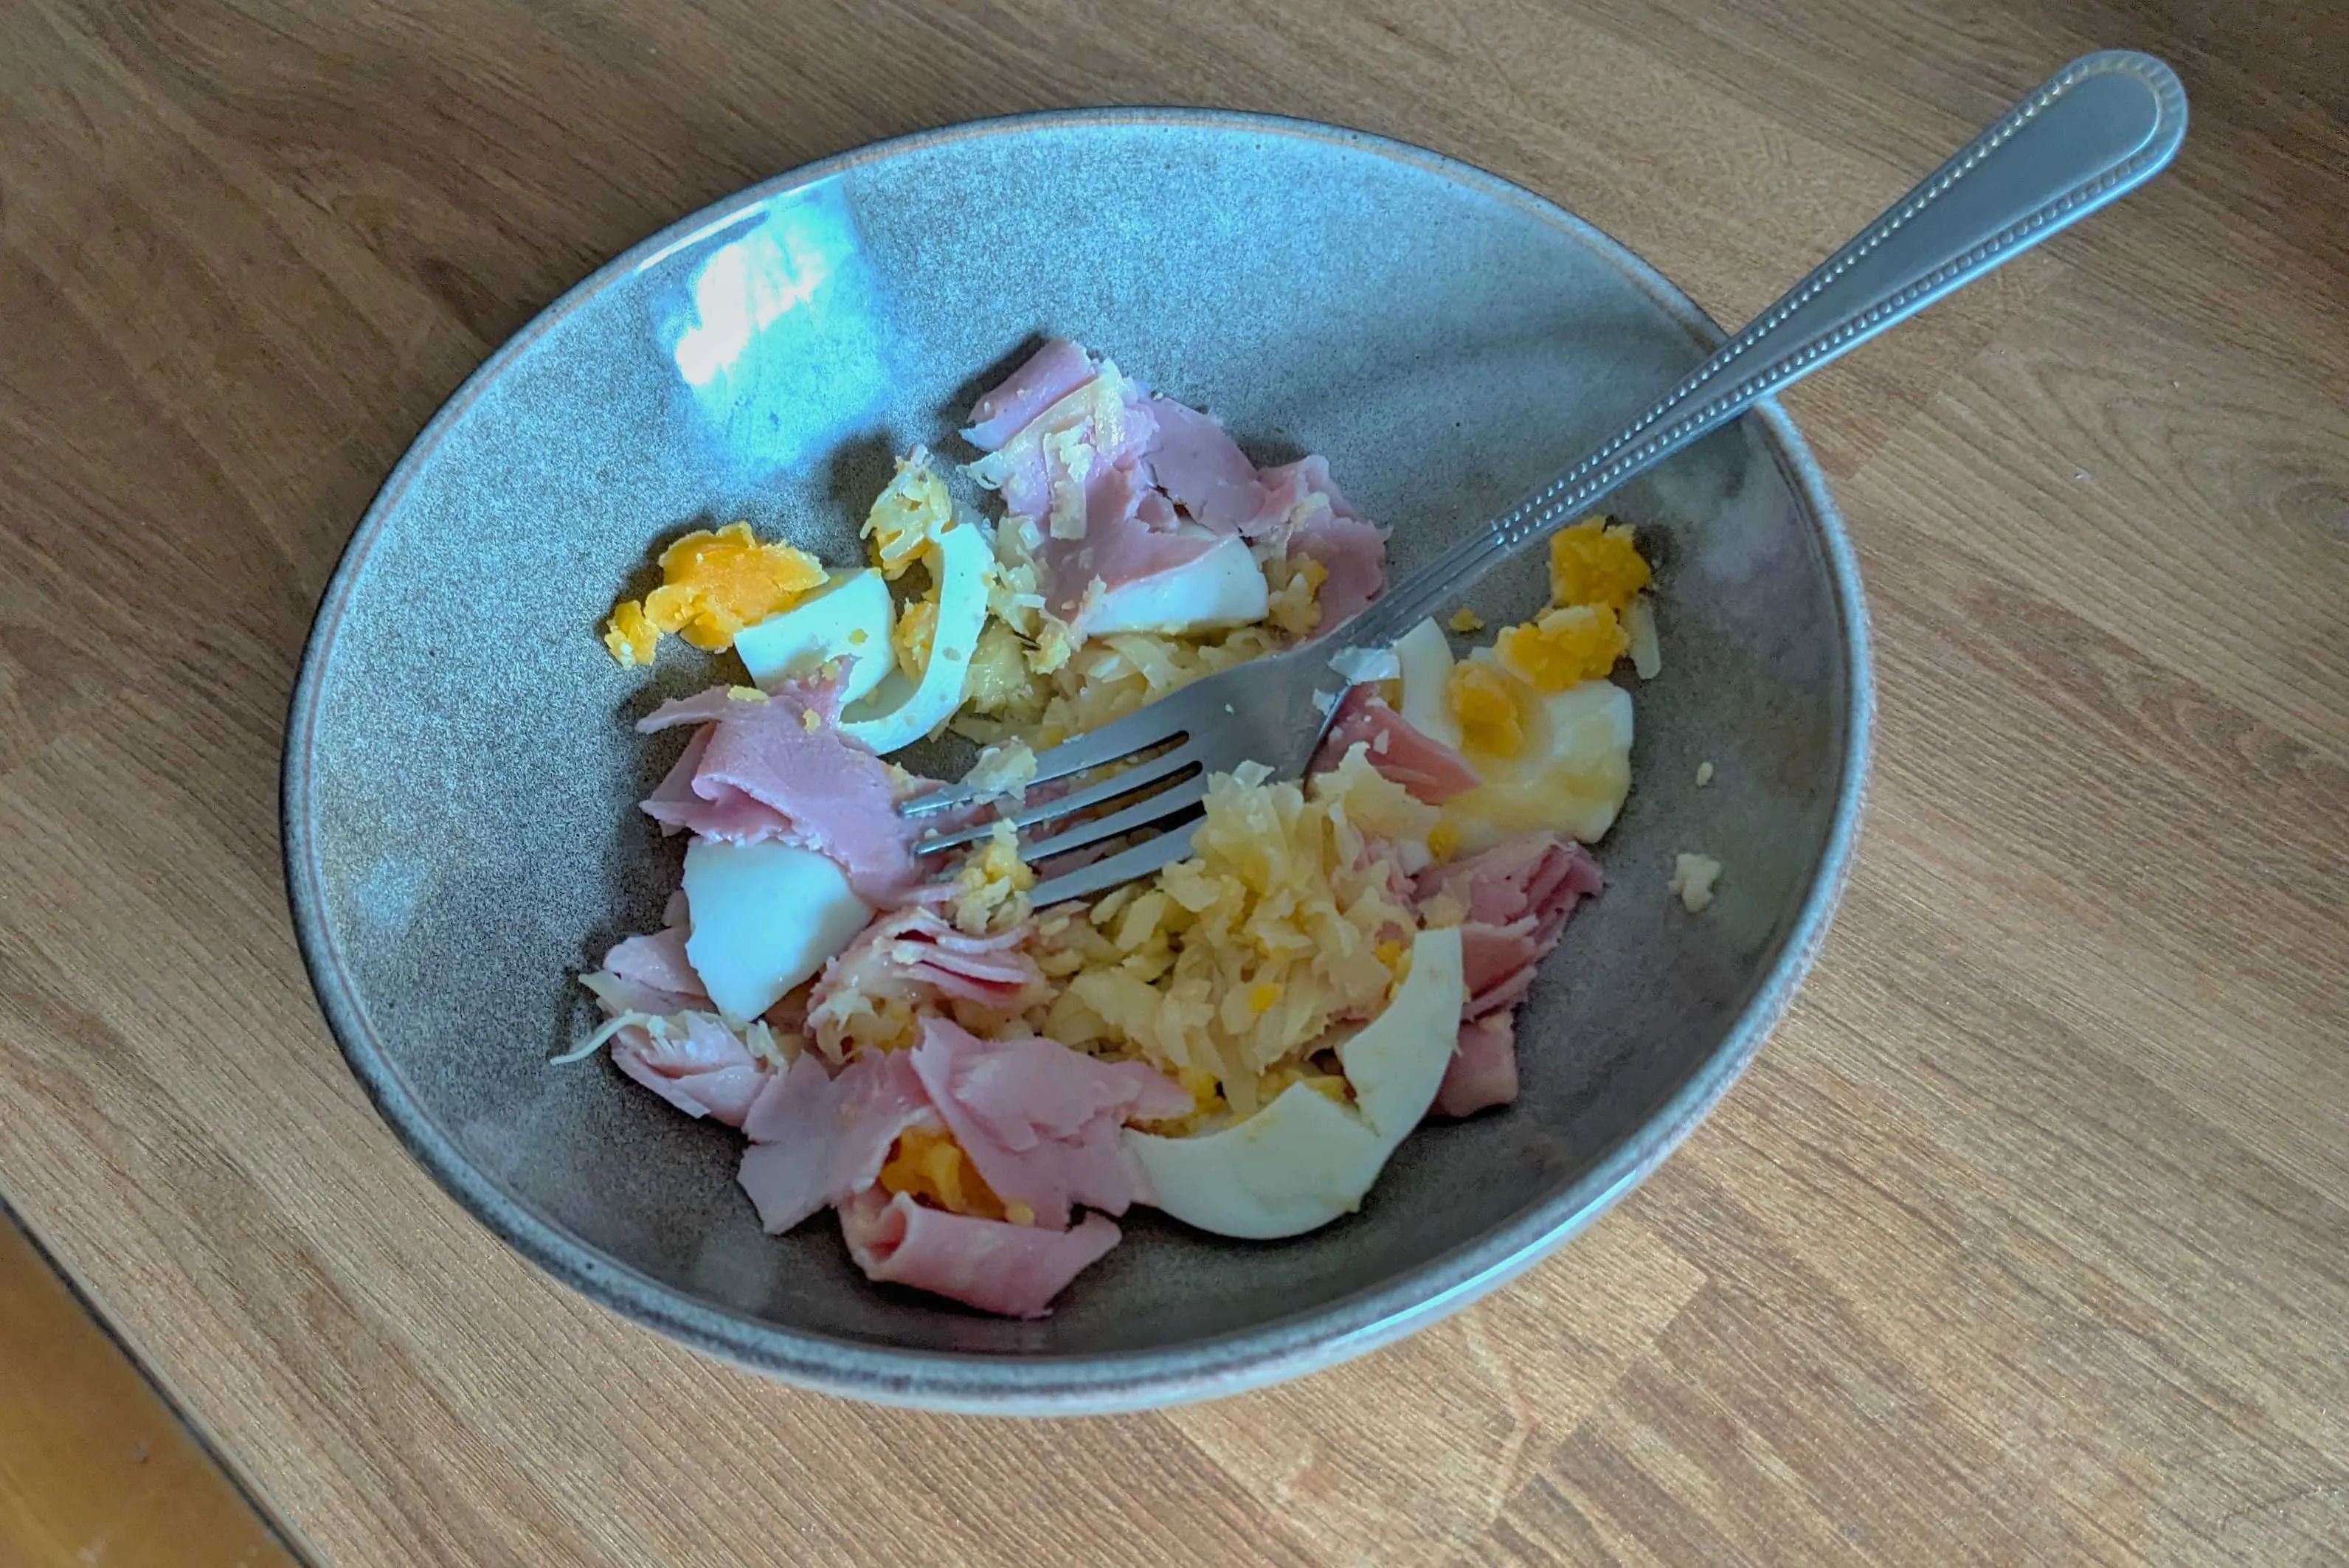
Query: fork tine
point(1153, 725)
point(1137, 860)
point(1140, 776)
point(1140, 814)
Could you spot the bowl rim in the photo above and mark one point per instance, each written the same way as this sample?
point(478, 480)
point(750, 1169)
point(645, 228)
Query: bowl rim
point(1001, 1384)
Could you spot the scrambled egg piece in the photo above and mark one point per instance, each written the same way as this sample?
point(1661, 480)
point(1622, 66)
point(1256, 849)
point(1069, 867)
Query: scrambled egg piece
point(1565, 647)
point(1465, 620)
point(712, 586)
point(1596, 562)
point(929, 1165)
point(907, 516)
point(1490, 704)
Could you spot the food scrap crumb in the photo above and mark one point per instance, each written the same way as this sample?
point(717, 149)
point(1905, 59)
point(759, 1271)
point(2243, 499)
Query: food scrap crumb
point(1703, 774)
point(1465, 620)
point(1004, 771)
point(1692, 879)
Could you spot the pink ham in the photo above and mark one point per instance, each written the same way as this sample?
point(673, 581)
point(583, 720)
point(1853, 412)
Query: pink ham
point(703, 1069)
point(1113, 432)
point(1046, 376)
point(1353, 553)
point(914, 955)
point(1039, 1120)
point(816, 1138)
point(1431, 770)
point(1203, 470)
point(647, 974)
point(759, 771)
point(1483, 1068)
point(1015, 1270)
point(1518, 897)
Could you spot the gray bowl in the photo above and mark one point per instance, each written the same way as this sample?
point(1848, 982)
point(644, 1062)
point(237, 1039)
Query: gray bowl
point(459, 771)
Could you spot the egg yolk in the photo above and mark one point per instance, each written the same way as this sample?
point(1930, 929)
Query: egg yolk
point(1564, 648)
point(928, 1164)
point(1490, 704)
point(712, 586)
point(1596, 562)
point(1465, 621)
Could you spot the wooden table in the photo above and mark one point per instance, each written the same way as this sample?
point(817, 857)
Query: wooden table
point(2025, 1241)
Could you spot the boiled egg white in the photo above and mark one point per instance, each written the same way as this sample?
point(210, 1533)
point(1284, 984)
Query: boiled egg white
point(765, 917)
point(900, 711)
point(1305, 1160)
point(1571, 777)
point(849, 617)
point(1425, 660)
point(1222, 587)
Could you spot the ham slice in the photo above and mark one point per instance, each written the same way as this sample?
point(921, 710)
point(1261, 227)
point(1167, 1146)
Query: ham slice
point(647, 974)
point(1015, 1270)
point(1484, 1066)
point(914, 956)
point(816, 1138)
point(1039, 1120)
point(1046, 376)
point(1203, 470)
point(759, 770)
point(1431, 770)
point(702, 1067)
point(1518, 897)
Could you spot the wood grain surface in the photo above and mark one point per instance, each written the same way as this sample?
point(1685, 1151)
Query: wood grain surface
point(95, 1467)
point(2027, 1240)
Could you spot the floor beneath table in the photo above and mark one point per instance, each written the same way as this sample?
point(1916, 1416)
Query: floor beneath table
point(97, 1470)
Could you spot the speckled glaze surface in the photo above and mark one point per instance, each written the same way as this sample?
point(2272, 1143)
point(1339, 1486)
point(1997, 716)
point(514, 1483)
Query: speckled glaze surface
point(459, 773)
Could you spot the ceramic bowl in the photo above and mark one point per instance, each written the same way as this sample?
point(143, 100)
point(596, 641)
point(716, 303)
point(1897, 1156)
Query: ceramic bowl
point(459, 773)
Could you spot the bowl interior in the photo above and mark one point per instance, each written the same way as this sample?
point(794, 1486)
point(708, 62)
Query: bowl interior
point(461, 771)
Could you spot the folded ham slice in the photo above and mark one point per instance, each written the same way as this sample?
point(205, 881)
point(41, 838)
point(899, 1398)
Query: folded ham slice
point(1039, 1120)
point(1015, 1270)
point(1046, 376)
point(914, 956)
point(1516, 898)
point(760, 770)
point(647, 974)
point(1431, 770)
point(817, 1138)
point(695, 1063)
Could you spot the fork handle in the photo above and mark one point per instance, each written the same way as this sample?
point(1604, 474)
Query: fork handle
point(2101, 126)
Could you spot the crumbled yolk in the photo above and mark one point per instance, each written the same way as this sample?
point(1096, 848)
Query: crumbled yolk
point(907, 516)
point(1262, 995)
point(1596, 562)
point(1564, 648)
point(712, 586)
point(1443, 840)
point(917, 625)
point(929, 1164)
point(1465, 620)
point(1389, 953)
point(1489, 702)
point(1277, 1080)
point(629, 635)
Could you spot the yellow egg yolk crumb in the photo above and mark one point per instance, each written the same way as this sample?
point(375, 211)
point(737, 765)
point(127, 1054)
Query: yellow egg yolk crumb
point(1596, 562)
point(1564, 648)
point(1443, 840)
point(712, 586)
point(1490, 704)
point(1465, 620)
point(928, 1164)
point(1262, 995)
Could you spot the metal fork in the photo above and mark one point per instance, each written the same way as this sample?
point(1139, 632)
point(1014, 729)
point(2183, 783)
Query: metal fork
point(2099, 128)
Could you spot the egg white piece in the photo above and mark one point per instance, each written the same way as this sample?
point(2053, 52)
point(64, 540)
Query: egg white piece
point(1304, 1160)
point(1425, 658)
point(1223, 586)
point(823, 628)
point(1571, 777)
point(900, 711)
point(765, 917)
